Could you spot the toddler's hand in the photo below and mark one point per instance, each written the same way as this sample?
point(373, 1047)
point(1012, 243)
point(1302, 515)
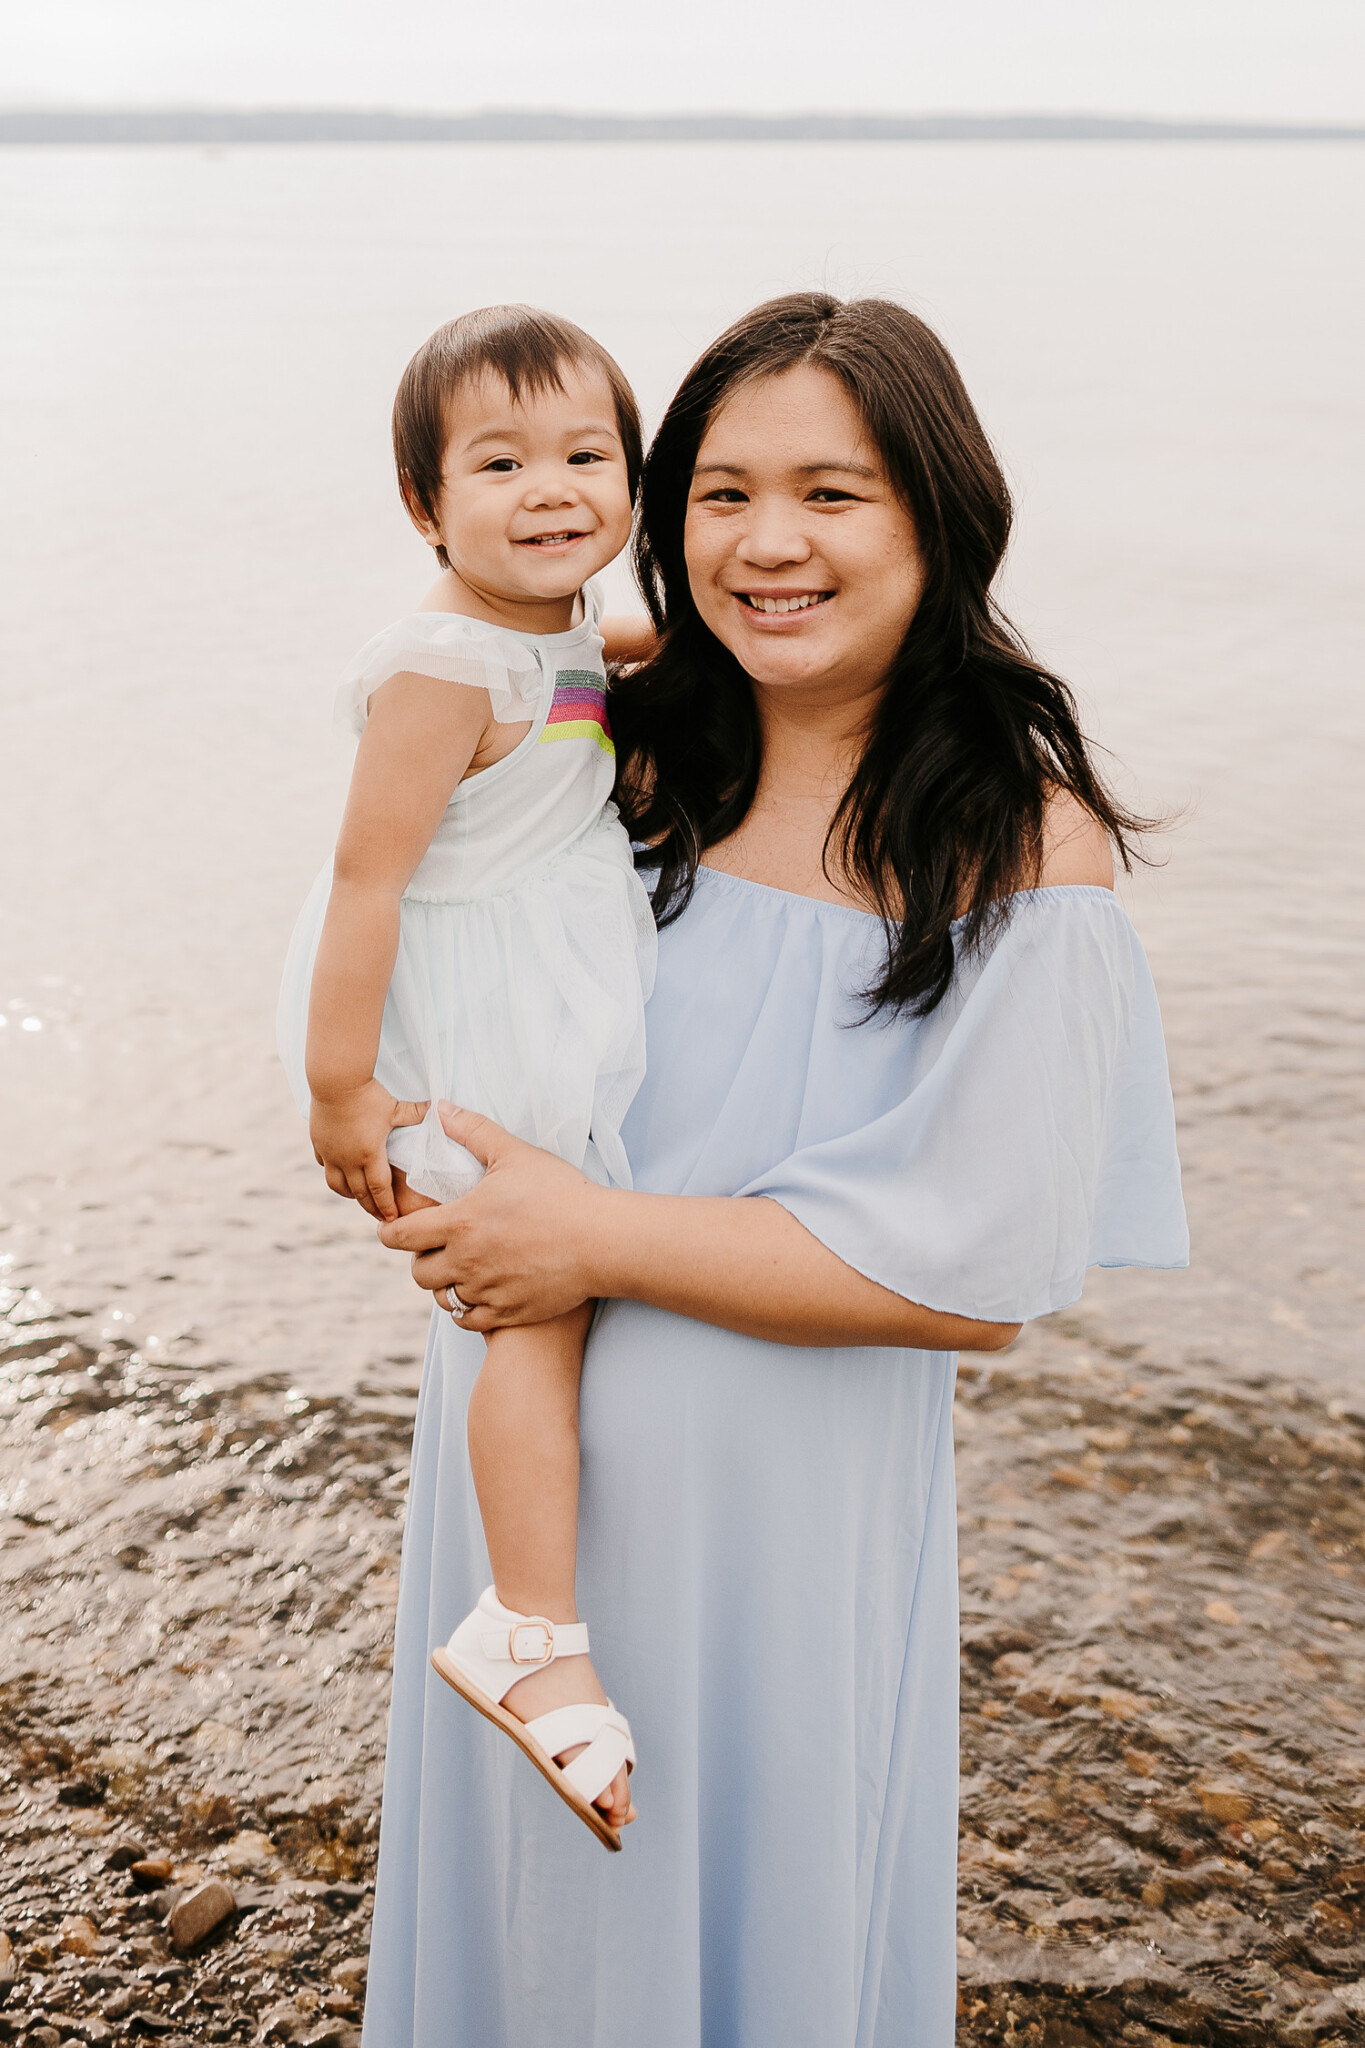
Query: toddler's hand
point(349, 1133)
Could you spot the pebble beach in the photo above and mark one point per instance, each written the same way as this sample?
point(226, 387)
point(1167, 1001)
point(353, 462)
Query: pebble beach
point(1163, 1674)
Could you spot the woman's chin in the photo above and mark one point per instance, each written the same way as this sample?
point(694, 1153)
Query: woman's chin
point(793, 661)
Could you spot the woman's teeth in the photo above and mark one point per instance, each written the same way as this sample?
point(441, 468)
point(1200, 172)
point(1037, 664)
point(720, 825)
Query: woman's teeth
point(785, 604)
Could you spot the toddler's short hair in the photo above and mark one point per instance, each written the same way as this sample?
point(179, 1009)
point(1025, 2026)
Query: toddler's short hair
point(527, 349)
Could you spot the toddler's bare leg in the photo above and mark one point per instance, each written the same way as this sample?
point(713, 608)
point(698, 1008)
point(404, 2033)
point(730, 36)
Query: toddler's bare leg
point(523, 1451)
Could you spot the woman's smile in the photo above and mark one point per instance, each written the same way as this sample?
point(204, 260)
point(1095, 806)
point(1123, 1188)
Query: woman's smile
point(767, 606)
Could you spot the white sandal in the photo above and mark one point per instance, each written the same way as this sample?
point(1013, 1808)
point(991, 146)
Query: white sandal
point(493, 1648)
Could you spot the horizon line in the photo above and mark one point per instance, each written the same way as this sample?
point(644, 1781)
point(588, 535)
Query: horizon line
point(168, 123)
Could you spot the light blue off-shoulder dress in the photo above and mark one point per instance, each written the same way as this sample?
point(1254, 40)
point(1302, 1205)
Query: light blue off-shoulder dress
point(768, 1545)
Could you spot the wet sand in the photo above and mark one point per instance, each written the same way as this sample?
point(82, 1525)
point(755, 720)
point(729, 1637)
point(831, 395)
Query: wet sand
point(1163, 1689)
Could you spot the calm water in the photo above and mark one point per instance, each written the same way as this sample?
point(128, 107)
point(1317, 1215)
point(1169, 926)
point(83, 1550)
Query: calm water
point(199, 526)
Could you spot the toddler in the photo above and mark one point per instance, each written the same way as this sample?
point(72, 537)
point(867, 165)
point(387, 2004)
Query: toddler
point(481, 936)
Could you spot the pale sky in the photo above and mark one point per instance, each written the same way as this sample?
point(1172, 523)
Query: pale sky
point(1268, 59)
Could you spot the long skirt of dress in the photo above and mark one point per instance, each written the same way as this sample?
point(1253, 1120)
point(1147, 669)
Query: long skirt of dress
point(768, 1568)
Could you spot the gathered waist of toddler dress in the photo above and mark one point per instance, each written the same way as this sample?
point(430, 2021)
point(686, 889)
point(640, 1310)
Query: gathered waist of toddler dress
point(444, 876)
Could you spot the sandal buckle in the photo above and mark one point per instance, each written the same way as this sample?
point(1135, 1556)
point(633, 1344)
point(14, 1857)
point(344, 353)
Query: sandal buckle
point(531, 1623)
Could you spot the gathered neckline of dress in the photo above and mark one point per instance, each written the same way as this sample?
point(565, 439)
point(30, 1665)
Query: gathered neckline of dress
point(585, 625)
point(870, 917)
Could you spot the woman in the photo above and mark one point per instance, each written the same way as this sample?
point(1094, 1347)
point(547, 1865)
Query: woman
point(906, 1081)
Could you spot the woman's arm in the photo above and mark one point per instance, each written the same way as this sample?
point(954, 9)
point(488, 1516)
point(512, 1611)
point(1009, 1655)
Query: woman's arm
point(419, 739)
point(536, 1238)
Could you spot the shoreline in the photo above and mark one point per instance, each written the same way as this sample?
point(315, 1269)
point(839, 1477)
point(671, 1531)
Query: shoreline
point(58, 127)
point(1163, 1798)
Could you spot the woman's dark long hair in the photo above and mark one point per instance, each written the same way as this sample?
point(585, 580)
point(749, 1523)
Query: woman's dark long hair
point(944, 814)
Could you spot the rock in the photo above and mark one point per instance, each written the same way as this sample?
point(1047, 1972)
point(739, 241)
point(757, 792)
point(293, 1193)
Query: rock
point(151, 2025)
point(6, 1966)
point(1014, 1664)
point(92, 2032)
point(1122, 1705)
point(124, 1757)
point(341, 2004)
point(101, 1980)
point(1045, 1705)
point(1092, 1913)
point(42, 2037)
point(249, 1850)
point(126, 1851)
point(282, 2023)
point(1223, 1612)
point(121, 2004)
point(1224, 1802)
point(332, 2034)
point(342, 1897)
point(198, 1913)
point(150, 1872)
point(351, 1974)
point(991, 1643)
point(78, 1936)
point(81, 1792)
point(215, 1812)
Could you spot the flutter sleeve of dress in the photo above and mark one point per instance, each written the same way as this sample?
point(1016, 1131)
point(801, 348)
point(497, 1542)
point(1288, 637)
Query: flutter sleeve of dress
point(1035, 1136)
point(452, 649)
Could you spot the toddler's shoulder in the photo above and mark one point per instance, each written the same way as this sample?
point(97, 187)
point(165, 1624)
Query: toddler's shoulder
point(451, 649)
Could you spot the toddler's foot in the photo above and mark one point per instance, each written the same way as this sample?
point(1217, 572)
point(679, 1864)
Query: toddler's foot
point(534, 1679)
point(571, 1682)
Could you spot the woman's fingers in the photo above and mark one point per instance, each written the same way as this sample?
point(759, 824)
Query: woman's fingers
point(478, 1134)
point(426, 1230)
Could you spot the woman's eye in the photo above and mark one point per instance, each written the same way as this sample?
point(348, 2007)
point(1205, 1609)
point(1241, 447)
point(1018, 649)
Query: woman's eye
point(724, 496)
point(828, 495)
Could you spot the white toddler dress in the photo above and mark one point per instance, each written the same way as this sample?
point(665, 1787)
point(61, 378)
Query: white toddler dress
point(527, 946)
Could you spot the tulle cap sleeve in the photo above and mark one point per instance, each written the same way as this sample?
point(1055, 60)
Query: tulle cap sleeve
point(453, 649)
point(1036, 1135)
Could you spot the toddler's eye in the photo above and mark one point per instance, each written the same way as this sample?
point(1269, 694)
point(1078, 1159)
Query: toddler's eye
point(586, 455)
point(502, 465)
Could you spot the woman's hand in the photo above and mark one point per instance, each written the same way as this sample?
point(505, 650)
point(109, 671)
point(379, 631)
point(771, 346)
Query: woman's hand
point(350, 1131)
point(515, 1247)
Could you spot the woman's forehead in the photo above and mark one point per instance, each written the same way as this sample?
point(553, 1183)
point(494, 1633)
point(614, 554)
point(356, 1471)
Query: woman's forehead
point(800, 422)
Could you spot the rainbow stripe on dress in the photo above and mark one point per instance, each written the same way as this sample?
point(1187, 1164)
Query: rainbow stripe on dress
point(578, 709)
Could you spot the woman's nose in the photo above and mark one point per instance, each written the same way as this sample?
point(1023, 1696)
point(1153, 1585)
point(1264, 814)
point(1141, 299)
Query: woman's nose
point(772, 537)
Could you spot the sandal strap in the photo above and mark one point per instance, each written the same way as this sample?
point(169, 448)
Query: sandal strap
point(606, 1733)
point(531, 1641)
point(495, 1646)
